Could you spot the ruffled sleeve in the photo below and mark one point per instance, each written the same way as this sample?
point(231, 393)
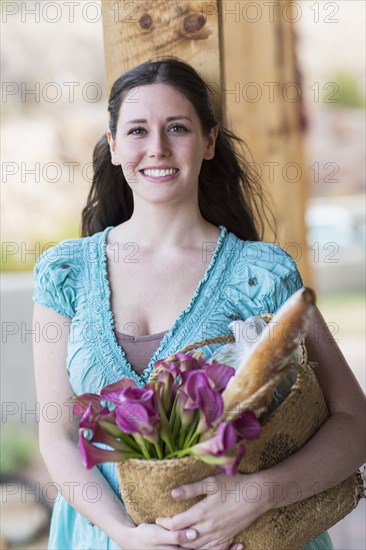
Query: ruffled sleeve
point(262, 278)
point(57, 277)
point(285, 281)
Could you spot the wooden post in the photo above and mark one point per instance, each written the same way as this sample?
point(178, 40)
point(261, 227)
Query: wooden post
point(264, 105)
point(240, 58)
point(137, 31)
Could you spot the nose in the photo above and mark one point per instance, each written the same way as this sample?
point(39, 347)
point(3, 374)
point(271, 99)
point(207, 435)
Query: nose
point(158, 145)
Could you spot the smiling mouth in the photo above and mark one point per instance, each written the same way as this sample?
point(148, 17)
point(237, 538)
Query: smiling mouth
point(159, 173)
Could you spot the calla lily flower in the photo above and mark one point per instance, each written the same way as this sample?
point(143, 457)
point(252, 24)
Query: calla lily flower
point(92, 455)
point(134, 417)
point(223, 441)
point(200, 395)
point(172, 366)
point(91, 416)
point(231, 464)
point(107, 424)
point(180, 362)
point(101, 436)
point(219, 375)
point(165, 388)
point(247, 425)
point(213, 451)
point(137, 395)
point(113, 392)
point(190, 361)
point(82, 402)
point(185, 414)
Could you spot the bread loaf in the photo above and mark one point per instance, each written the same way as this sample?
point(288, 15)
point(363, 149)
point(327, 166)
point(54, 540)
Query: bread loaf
point(273, 350)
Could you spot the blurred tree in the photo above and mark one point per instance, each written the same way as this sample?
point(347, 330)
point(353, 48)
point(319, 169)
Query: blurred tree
point(349, 92)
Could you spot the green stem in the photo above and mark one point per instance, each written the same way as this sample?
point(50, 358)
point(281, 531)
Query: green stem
point(167, 440)
point(194, 439)
point(179, 454)
point(165, 429)
point(141, 442)
point(159, 450)
point(173, 427)
point(131, 455)
point(114, 431)
point(172, 413)
point(192, 429)
point(150, 447)
point(130, 441)
point(182, 436)
point(177, 429)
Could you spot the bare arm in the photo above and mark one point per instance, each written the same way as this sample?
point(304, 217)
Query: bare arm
point(58, 446)
point(57, 440)
point(338, 448)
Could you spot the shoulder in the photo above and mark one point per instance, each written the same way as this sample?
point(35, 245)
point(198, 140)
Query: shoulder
point(265, 272)
point(72, 253)
point(60, 270)
point(66, 252)
point(266, 256)
point(65, 255)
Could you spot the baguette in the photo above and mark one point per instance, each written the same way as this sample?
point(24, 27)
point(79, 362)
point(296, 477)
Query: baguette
point(272, 352)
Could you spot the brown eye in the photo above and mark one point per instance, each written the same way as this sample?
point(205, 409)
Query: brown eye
point(136, 131)
point(178, 128)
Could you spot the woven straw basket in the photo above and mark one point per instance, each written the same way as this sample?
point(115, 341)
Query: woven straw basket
point(146, 484)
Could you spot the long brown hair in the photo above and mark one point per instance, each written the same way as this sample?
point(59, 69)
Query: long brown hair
point(229, 193)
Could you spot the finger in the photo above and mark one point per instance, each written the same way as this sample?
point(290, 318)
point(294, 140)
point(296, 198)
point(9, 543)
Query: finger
point(207, 486)
point(164, 522)
point(185, 536)
point(209, 546)
point(172, 525)
point(180, 522)
point(179, 537)
point(224, 546)
point(184, 520)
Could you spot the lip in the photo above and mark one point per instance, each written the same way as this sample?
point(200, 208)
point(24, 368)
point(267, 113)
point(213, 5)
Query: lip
point(159, 167)
point(162, 179)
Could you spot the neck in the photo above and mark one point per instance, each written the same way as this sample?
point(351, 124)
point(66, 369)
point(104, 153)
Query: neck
point(162, 226)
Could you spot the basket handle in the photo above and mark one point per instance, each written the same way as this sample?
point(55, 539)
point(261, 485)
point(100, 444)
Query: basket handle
point(213, 340)
point(218, 339)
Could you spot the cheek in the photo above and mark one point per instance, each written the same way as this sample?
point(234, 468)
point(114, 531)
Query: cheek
point(130, 171)
point(129, 150)
point(129, 158)
point(192, 153)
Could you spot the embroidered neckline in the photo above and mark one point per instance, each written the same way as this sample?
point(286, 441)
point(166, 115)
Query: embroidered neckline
point(118, 352)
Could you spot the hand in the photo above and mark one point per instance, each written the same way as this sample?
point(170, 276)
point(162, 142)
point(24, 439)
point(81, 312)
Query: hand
point(148, 536)
point(229, 508)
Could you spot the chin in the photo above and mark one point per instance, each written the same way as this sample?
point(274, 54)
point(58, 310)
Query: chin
point(160, 196)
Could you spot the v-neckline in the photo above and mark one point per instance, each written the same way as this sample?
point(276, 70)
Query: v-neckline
point(141, 379)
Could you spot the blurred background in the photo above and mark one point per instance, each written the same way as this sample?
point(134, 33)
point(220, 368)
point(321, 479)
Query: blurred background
point(53, 112)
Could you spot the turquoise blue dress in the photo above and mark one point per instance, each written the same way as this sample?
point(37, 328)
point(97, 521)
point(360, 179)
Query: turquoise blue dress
point(243, 278)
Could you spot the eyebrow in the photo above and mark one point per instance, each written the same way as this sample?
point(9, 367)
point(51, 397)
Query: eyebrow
point(168, 119)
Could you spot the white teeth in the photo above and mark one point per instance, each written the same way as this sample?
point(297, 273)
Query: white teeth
point(159, 173)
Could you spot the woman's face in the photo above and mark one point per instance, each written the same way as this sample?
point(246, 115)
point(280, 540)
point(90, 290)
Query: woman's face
point(160, 145)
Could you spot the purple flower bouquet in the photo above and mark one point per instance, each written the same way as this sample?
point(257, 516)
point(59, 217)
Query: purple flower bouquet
point(158, 429)
point(166, 418)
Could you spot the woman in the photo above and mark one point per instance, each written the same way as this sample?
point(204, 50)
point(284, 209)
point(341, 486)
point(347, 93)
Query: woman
point(171, 251)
